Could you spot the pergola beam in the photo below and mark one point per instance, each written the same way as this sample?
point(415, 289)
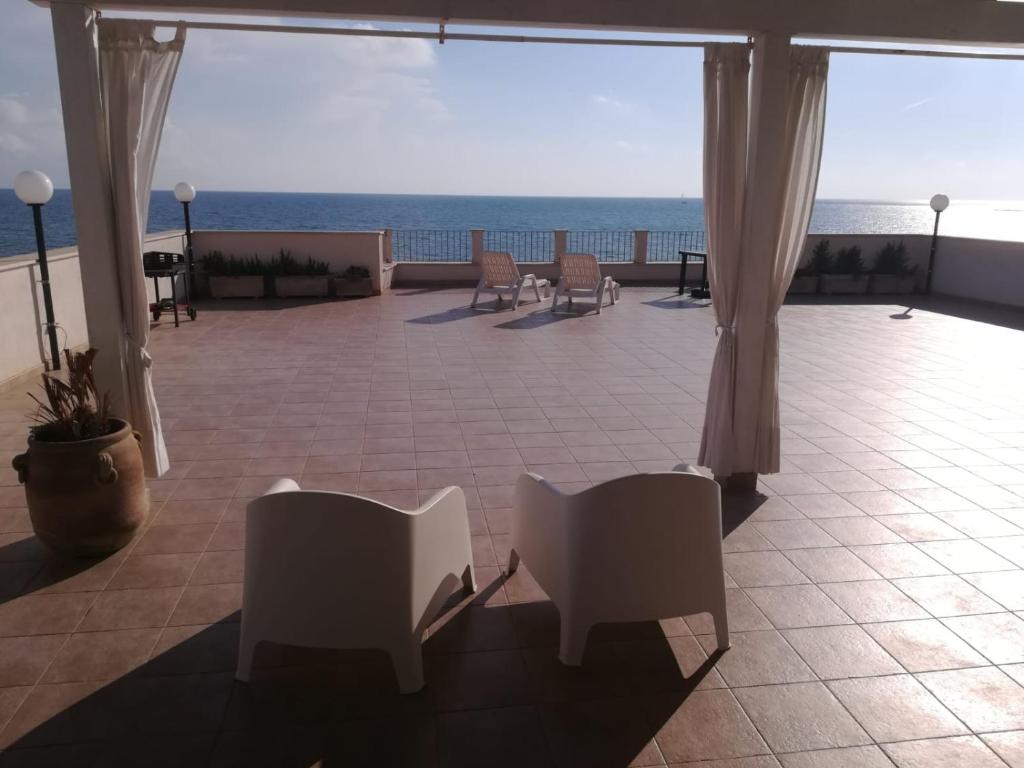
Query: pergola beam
point(952, 22)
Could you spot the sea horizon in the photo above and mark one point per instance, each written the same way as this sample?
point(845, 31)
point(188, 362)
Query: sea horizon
point(998, 219)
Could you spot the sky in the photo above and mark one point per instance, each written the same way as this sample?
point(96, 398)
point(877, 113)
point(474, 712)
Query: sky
point(274, 112)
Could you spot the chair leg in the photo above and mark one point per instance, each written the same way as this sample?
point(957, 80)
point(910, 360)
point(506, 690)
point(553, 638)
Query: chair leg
point(572, 641)
point(536, 289)
point(476, 295)
point(720, 615)
point(246, 652)
point(554, 301)
point(407, 659)
point(469, 579)
point(513, 562)
point(515, 297)
point(600, 297)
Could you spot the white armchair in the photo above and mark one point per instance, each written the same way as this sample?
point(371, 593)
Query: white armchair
point(637, 548)
point(333, 570)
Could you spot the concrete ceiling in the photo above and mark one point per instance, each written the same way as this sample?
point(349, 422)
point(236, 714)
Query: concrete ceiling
point(973, 22)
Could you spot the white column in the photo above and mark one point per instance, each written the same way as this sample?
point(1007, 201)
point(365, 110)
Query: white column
point(762, 209)
point(74, 35)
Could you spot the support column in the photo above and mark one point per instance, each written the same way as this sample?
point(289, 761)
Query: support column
point(762, 213)
point(476, 244)
point(561, 237)
point(640, 246)
point(74, 36)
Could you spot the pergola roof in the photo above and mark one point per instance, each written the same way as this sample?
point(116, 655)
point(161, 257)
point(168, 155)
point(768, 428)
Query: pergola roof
point(973, 22)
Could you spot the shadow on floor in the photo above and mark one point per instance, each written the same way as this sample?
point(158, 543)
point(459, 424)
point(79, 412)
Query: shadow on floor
point(496, 695)
point(675, 301)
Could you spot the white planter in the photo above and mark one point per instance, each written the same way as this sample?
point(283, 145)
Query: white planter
point(892, 284)
point(350, 287)
point(242, 287)
point(301, 285)
point(804, 284)
point(843, 284)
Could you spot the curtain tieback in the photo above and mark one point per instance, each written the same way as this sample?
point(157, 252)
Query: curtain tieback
point(728, 329)
point(143, 353)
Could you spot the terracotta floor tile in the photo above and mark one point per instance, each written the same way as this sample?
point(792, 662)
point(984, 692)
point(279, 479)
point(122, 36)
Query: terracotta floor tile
point(896, 708)
point(105, 655)
point(831, 564)
point(1009, 746)
point(984, 698)
point(44, 614)
point(706, 725)
point(946, 595)
point(999, 636)
point(208, 603)
point(800, 716)
point(174, 539)
point(762, 569)
point(141, 571)
point(795, 534)
point(841, 652)
point(882, 503)
point(481, 680)
point(758, 658)
point(742, 614)
point(952, 752)
point(965, 556)
point(924, 645)
point(895, 561)
point(920, 527)
point(845, 757)
point(507, 737)
point(24, 659)
point(601, 732)
point(798, 606)
point(131, 609)
point(823, 505)
point(1005, 587)
point(873, 601)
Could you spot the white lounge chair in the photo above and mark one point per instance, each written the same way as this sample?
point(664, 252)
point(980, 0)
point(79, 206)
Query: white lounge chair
point(581, 278)
point(501, 275)
point(333, 570)
point(637, 548)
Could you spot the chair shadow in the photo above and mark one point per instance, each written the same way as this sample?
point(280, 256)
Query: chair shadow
point(445, 316)
point(543, 317)
point(343, 708)
point(675, 301)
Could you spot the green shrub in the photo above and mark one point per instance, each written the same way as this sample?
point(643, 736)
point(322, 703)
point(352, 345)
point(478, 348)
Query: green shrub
point(892, 260)
point(848, 262)
point(216, 264)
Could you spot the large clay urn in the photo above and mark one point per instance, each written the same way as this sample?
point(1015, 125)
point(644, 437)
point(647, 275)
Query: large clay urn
point(86, 497)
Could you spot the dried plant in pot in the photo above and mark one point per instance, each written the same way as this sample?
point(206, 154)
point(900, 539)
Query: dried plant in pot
point(233, 278)
point(295, 278)
point(847, 274)
point(805, 279)
point(893, 272)
point(83, 472)
point(354, 281)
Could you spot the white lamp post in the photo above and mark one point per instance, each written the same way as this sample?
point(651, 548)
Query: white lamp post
point(185, 193)
point(939, 203)
point(35, 189)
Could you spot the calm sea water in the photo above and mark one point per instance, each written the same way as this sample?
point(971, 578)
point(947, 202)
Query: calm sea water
point(1000, 220)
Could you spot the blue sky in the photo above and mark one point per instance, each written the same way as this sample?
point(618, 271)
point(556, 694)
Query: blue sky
point(301, 113)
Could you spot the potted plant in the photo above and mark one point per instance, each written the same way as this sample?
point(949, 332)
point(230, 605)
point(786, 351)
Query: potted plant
point(892, 272)
point(355, 281)
point(805, 279)
point(847, 273)
point(294, 278)
point(233, 278)
point(83, 471)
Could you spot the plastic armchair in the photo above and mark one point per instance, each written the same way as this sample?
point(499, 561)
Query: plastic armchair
point(636, 548)
point(581, 278)
point(334, 570)
point(501, 275)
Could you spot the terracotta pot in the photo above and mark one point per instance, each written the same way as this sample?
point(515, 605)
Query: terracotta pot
point(85, 498)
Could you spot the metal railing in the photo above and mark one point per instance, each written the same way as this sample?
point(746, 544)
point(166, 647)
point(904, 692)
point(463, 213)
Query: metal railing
point(529, 245)
point(538, 246)
point(665, 246)
point(607, 245)
point(431, 245)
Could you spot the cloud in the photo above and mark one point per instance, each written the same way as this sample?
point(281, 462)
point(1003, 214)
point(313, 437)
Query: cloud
point(24, 129)
point(610, 102)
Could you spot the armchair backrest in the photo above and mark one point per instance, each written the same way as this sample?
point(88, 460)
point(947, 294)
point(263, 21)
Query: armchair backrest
point(635, 538)
point(580, 270)
point(499, 268)
point(373, 562)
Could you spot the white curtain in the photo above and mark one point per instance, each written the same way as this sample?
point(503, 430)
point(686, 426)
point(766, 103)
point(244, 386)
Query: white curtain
point(726, 85)
point(137, 74)
point(804, 134)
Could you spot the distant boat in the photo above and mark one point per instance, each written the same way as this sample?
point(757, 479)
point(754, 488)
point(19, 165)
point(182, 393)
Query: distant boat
point(682, 199)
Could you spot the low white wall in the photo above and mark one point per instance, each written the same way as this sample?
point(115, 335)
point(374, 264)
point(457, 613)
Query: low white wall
point(339, 249)
point(24, 346)
point(985, 270)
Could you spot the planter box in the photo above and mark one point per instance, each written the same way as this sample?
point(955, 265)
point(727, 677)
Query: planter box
point(843, 283)
point(892, 284)
point(804, 284)
point(351, 287)
point(302, 285)
point(244, 287)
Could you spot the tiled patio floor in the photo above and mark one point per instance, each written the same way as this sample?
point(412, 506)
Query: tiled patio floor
point(876, 587)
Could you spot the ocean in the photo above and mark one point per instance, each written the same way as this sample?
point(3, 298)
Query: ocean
point(998, 220)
